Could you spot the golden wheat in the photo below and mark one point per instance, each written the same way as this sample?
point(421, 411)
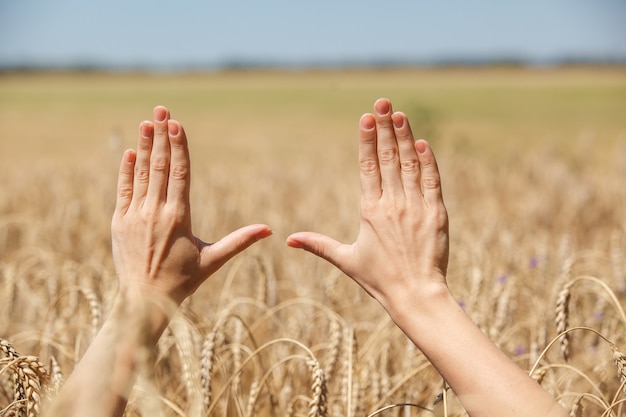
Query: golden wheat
point(278, 332)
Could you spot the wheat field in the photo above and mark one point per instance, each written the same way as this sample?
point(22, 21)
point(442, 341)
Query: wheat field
point(533, 165)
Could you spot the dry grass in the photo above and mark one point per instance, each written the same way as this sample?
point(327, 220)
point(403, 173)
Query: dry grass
point(533, 165)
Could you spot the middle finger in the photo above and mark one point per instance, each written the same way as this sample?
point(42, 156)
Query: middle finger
point(387, 149)
point(159, 158)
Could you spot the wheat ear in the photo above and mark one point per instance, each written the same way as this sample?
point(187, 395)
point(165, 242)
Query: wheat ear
point(32, 376)
point(620, 362)
point(561, 318)
point(251, 407)
point(334, 345)
point(207, 364)
point(577, 408)
point(29, 377)
point(56, 375)
point(95, 309)
point(317, 405)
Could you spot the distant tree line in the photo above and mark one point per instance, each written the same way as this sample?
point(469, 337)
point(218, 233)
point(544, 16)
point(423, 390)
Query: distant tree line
point(251, 64)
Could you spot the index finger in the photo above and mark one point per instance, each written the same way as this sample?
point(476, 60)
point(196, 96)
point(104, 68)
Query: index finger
point(431, 180)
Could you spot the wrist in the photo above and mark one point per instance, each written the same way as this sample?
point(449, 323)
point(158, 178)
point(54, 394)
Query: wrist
point(420, 305)
point(141, 312)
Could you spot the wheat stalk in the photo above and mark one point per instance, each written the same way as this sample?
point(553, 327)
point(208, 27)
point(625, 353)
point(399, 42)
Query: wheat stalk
point(617, 262)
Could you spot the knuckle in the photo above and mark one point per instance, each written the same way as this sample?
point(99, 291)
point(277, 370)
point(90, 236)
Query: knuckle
point(384, 124)
point(155, 218)
point(409, 166)
point(158, 163)
point(428, 162)
point(368, 140)
point(442, 218)
point(176, 212)
point(125, 193)
point(179, 172)
point(142, 175)
point(431, 182)
point(368, 166)
point(388, 155)
point(394, 210)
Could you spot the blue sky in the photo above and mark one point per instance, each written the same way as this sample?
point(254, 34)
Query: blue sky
point(168, 34)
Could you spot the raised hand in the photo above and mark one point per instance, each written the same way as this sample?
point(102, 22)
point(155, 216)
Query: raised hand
point(400, 257)
point(159, 262)
point(402, 245)
point(154, 248)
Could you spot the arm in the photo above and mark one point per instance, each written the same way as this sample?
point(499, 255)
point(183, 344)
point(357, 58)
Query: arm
point(400, 258)
point(159, 263)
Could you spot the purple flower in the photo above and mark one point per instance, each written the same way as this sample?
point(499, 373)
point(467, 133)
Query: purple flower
point(462, 304)
point(534, 262)
point(519, 350)
point(502, 279)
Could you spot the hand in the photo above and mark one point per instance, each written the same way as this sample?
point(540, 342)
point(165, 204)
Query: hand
point(154, 249)
point(402, 245)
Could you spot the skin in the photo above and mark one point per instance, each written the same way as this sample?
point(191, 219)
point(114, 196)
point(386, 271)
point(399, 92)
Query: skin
point(400, 258)
point(158, 260)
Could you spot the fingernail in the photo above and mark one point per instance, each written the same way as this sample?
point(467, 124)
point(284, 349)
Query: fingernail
point(382, 107)
point(293, 243)
point(160, 114)
point(145, 129)
point(130, 156)
point(173, 128)
point(420, 146)
point(367, 122)
point(398, 121)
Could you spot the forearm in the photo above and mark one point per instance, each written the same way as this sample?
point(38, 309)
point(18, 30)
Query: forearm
point(486, 381)
point(104, 377)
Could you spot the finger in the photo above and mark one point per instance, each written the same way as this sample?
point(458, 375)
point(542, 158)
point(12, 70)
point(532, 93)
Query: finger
point(368, 159)
point(159, 158)
point(431, 180)
point(387, 149)
point(321, 245)
point(142, 165)
point(125, 182)
point(409, 162)
point(179, 175)
point(217, 254)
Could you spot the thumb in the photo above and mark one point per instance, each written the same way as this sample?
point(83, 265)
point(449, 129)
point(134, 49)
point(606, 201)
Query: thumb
point(321, 245)
point(213, 256)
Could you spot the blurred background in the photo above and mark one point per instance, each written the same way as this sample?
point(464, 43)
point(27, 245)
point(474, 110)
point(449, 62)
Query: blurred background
point(485, 72)
point(182, 35)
